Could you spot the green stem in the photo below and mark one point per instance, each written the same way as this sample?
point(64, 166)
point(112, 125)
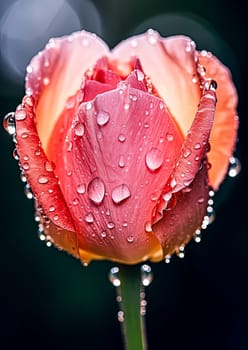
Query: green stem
point(130, 292)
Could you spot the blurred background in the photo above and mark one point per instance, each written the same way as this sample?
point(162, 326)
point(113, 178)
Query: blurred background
point(49, 298)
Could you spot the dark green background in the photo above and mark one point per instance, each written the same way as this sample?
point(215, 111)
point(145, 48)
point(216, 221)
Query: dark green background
point(200, 302)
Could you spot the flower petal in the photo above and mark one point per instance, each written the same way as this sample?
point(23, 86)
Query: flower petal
point(171, 65)
point(38, 170)
point(56, 74)
point(224, 132)
point(179, 224)
point(112, 172)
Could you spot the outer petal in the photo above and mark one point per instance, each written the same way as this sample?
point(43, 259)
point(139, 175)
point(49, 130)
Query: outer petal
point(56, 74)
point(171, 65)
point(179, 224)
point(224, 133)
point(112, 172)
point(38, 170)
point(192, 155)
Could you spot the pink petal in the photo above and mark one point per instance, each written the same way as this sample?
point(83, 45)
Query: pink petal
point(112, 173)
point(196, 143)
point(179, 224)
point(171, 65)
point(224, 133)
point(56, 74)
point(38, 170)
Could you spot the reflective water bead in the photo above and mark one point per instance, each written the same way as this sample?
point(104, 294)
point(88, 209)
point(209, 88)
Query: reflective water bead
point(167, 259)
point(154, 159)
point(234, 167)
point(79, 129)
point(89, 218)
point(81, 188)
point(197, 236)
point(120, 193)
point(102, 118)
point(96, 190)
point(181, 252)
point(15, 154)
point(42, 179)
point(130, 239)
point(114, 276)
point(110, 225)
point(20, 114)
point(9, 123)
point(148, 226)
point(27, 191)
point(121, 138)
point(146, 275)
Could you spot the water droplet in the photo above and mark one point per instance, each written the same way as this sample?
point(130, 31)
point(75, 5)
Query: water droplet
point(15, 154)
point(23, 177)
point(25, 166)
point(70, 146)
point(148, 226)
point(146, 125)
point(96, 190)
point(75, 201)
point(103, 234)
point(120, 193)
point(114, 276)
point(121, 138)
point(130, 239)
point(180, 252)
point(42, 179)
point(27, 191)
point(146, 275)
point(126, 106)
point(24, 135)
point(120, 316)
point(197, 146)
point(152, 37)
point(102, 118)
point(186, 153)
point(81, 188)
point(200, 200)
point(154, 159)
point(213, 85)
point(140, 75)
point(195, 79)
point(88, 106)
point(52, 208)
point(89, 218)
point(234, 167)
point(49, 166)
point(9, 123)
point(20, 114)
point(121, 162)
point(79, 129)
point(167, 259)
point(55, 218)
point(110, 225)
point(134, 98)
point(169, 136)
point(197, 236)
point(46, 81)
point(29, 69)
point(167, 196)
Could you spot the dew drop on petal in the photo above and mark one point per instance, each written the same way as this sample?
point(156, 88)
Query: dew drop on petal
point(154, 159)
point(79, 129)
point(167, 259)
point(89, 218)
point(148, 226)
point(169, 136)
point(102, 118)
point(120, 193)
point(197, 146)
point(9, 123)
point(121, 138)
point(234, 167)
point(96, 190)
point(27, 191)
point(49, 166)
point(110, 225)
point(130, 239)
point(20, 114)
point(121, 162)
point(42, 179)
point(81, 188)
